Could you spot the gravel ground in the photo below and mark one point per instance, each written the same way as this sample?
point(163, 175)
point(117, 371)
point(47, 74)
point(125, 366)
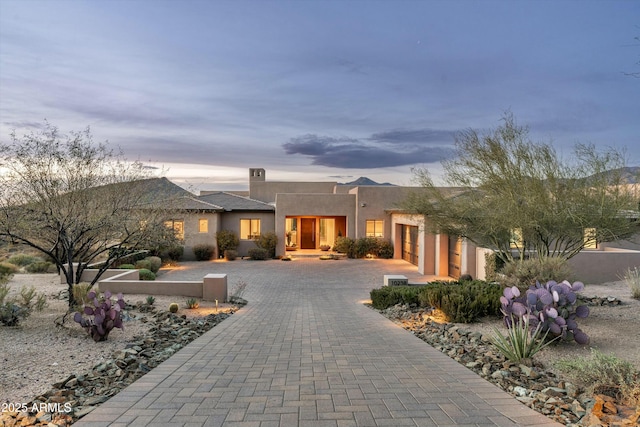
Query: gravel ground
point(37, 353)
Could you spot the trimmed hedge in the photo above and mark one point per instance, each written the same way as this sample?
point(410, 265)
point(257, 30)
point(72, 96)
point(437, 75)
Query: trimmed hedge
point(146, 274)
point(463, 302)
point(389, 296)
point(204, 252)
point(258, 254)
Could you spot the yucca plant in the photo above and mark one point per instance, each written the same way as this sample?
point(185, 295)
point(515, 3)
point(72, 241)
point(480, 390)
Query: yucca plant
point(522, 342)
point(632, 279)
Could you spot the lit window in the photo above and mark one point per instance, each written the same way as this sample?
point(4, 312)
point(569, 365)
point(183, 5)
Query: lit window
point(374, 228)
point(515, 241)
point(177, 227)
point(590, 241)
point(249, 228)
point(203, 226)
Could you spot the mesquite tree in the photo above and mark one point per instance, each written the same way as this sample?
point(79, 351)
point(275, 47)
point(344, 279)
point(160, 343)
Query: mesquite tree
point(75, 201)
point(518, 197)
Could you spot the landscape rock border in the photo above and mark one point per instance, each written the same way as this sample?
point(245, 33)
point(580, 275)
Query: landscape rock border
point(79, 394)
point(534, 386)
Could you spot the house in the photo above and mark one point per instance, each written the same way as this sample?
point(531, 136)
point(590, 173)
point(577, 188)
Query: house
point(307, 215)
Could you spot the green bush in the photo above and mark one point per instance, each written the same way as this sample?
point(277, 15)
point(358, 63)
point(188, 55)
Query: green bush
point(389, 296)
point(143, 263)
point(23, 260)
point(155, 263)
point(258, 253)
point(7, 269)
point(227, 240)
point(146, 274)
point(127, 267)
point(170, 253)
point(525, 273)
point(462, 302)
point(365, 246)
point(12, 310)
point(268, 241)
point(384, 249)
point(230, 254)
point(203, 252)
point(344, 245)
point(39, 267)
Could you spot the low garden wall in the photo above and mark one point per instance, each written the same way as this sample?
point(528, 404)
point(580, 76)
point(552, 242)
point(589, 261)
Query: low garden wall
point(603, 266)
point(212, 287)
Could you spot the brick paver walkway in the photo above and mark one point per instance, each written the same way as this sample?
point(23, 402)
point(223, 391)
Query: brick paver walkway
point(307, 352)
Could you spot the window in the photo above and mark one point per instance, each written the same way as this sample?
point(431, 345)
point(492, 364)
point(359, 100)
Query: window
point(590, 241)
point(203, 226)
point(177, 226)
point(374, 228)
point(516, 241)
point(249, 228)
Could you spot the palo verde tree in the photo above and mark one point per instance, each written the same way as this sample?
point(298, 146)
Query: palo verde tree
point(504, 192)
point(75, 201)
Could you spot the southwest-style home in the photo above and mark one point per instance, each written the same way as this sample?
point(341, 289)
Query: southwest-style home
point(307, 215)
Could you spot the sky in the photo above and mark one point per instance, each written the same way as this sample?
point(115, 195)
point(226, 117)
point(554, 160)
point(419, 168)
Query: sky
point(318, 90)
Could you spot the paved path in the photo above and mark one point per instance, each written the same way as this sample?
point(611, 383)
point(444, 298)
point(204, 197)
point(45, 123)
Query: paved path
point(307, 352)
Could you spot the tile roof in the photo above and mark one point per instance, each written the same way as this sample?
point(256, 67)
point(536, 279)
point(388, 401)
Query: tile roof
point(234, 202)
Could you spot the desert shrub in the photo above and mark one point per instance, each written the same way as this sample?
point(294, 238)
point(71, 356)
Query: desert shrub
point(146, 274)
point(522, 341)
point(80, 292)
point(7, 269)
point(143, 263)
point(13, 310)
point(169, 253)
point(344, 245)
point(230, 254)
point(151, 299)
point(192, 303)
point(23, 260)
point(104, 315)
point(268, 241)
point(632, 278)
point(39, 267)
point(258, 253)
point(227, 240)
point(605, 374)
point(384, 249)
point(388, 296)
point(553, 305)
point(238, 289)
point(462, 302)
point(527, 272)
point(203, 252)
point(365, 246)
point(127, 267)
point(155, 263)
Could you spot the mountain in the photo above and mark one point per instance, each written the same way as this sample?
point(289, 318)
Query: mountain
point(363, 180)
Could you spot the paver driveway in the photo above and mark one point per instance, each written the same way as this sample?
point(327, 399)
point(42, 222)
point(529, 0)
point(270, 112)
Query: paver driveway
point(307, 352)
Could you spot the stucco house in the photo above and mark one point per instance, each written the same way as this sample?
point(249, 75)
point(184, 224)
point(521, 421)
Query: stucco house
point(307, 215)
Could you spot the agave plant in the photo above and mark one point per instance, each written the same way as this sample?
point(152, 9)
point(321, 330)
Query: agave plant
point(554, 306)
point(104, 315)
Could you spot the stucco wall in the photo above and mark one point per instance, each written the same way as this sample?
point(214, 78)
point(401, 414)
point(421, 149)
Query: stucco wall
point(373, 203)
point(603, 266)
point(231, 221)
point(266, 191)
point(192, 236)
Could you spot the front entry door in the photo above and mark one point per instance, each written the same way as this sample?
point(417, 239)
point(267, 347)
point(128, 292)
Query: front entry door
point(308, 229)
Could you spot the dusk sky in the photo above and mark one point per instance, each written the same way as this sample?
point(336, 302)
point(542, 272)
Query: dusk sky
point(318, 90)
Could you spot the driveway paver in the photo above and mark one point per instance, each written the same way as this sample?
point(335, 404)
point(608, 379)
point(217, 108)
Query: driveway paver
point(306, 352)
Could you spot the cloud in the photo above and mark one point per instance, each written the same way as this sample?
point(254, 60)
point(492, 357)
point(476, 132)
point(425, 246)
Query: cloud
point(385, 149)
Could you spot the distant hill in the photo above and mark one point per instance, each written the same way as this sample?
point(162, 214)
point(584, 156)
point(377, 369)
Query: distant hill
point(629, 174)
point(363, 180)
